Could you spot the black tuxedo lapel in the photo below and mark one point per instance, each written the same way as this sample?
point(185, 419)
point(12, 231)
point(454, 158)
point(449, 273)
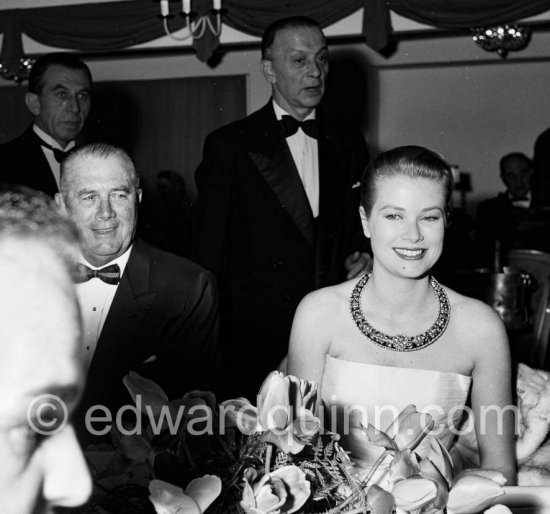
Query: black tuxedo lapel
point(271, 156)
point(120, 343)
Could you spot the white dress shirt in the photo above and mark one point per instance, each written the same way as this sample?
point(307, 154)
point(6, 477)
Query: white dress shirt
point(48, 153)
point(95, 298)
point(304, 150)
point(522, 204)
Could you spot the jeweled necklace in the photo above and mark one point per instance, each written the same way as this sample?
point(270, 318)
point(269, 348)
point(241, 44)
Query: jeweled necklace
point(400, 342)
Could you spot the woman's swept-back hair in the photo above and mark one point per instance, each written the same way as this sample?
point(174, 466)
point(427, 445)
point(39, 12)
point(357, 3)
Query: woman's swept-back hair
point(410, 161)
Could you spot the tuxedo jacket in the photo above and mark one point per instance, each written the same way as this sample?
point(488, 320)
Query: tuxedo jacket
point(163, 324)
point(23, 162)
point(255, 230)
point(514, 227)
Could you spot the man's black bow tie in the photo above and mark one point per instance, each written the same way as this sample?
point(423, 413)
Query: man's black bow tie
point(57, 153)
point(109, 274)
point(291, 126)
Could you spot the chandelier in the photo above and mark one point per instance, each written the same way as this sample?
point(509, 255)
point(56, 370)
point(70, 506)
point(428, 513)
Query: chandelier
point(196, 27)
point(502, 38)
point(21, 73)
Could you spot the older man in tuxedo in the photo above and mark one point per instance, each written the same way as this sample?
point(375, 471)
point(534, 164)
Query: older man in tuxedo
point(277, 209)
point(144, 310)
point(512, 217)
point(59, 99)
point(41, 376)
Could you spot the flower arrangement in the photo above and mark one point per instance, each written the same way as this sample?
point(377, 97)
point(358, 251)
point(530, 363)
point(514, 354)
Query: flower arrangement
point(272, 458)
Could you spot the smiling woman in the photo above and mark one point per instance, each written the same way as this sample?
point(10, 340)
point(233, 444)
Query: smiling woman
point(408, 340)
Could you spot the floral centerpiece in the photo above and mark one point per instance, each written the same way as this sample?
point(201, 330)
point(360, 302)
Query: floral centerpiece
point(194, 457)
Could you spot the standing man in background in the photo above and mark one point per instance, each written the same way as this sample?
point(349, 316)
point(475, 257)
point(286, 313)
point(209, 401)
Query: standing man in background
point(541, 168)
point(278, 199)
point(506, 217)
point(59, 99)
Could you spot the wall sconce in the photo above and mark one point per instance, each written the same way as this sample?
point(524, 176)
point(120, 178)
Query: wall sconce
point(502, 38)
point(21, 73)
point(196, 28)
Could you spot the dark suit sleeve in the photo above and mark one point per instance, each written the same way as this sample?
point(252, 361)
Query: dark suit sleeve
point(7, 165)
point(210, 216)
point(189, 357)
point(359, 159)
point(23, 163)
point(488, 219)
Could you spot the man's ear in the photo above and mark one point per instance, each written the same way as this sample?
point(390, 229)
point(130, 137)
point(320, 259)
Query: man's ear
point(33, 103)
point(139, 195)
point(60, 203)
point(267, 70)
point(364, 221)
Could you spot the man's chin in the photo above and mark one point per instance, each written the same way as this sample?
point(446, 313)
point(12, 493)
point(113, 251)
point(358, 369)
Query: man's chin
point(69, 135)
point(103, 256)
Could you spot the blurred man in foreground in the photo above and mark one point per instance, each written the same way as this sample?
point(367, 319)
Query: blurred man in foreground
point(41, 377)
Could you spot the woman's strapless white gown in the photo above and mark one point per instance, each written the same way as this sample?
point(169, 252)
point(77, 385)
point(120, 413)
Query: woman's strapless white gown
point(366, 393)
point(381, 392)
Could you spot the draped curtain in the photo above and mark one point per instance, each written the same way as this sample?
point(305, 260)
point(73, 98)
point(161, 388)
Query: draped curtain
point(116, 25)
point(461, 14)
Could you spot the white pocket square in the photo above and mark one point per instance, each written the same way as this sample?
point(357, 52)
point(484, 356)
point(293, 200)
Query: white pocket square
point(356, 185)
point(153, 358)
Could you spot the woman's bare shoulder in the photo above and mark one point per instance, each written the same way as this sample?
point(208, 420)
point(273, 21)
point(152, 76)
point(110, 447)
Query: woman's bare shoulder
point(475, 316)
point(328, 299)
point(318, 319)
